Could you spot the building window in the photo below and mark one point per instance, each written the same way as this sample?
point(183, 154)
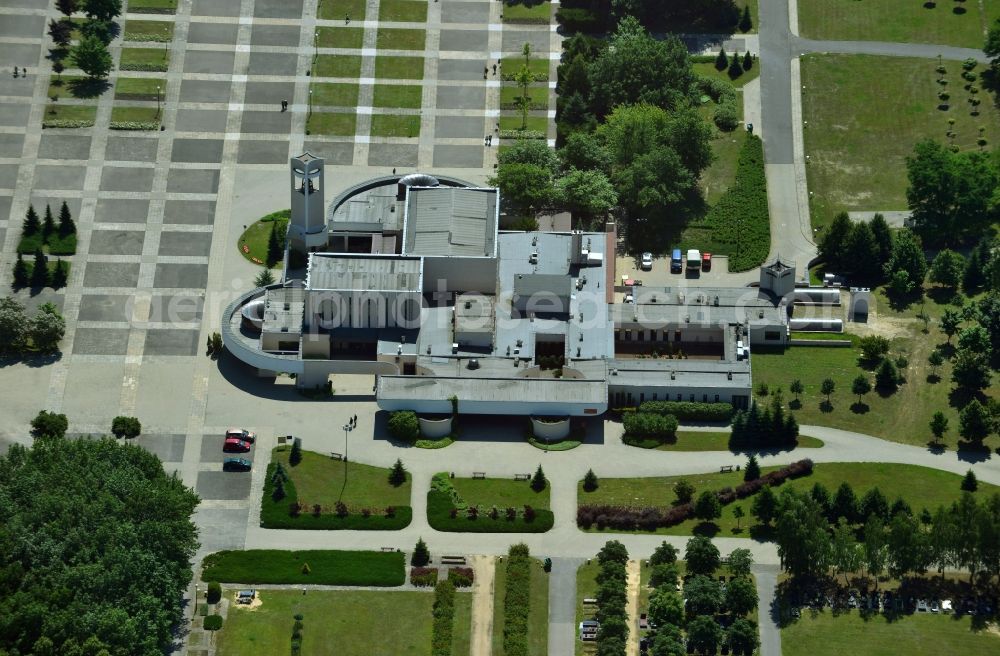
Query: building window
point(704, 398)
point(654, 396)
point(678, 397)
point(716, 398)
point(692, 398)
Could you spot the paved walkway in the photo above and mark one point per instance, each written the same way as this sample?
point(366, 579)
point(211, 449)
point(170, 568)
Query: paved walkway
point(483, 598)
point(770, 633)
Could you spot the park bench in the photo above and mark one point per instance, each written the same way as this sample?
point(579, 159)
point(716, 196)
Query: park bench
point(479, 475)
point(452, 560)
point(336, 456)
point(388, 549)
point(522, 477)
point(725, 469)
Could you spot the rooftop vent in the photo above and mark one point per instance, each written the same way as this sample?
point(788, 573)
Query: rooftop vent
point(716, 301)
point(760, 314)
point(673, 375)
point(473, 363)
point(468, 305)
point(454, 348)
point(729, 375)
point(520, 343)
point(614, 372)
point(288, 306)
point(577, 351)
point(533, 258)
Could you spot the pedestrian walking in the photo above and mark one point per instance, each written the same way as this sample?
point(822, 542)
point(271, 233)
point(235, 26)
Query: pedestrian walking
point(347, 19)
point(15, 71)
point(284, 105)
point(394, 171)
point(494, 70)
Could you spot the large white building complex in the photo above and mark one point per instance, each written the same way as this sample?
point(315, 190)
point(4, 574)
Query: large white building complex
point(411, 280)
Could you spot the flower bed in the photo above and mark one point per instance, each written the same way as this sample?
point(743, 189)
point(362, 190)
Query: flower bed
point(423, 576)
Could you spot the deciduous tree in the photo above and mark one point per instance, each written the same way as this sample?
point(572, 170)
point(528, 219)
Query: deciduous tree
point(92, 57)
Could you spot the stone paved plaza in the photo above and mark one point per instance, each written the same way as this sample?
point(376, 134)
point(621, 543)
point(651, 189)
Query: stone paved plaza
point(400, 86)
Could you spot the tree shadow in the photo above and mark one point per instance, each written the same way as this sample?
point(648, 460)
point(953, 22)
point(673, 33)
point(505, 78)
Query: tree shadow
point(942, 295)
point(825, 406)
point(947, 350)
point(88, 87)
point(902, 302)
point(935, 447)
point(972, 451)
point(886, 392)
point(762, 533)
point(795, 404)
point(933, 379)
point(707, 529)
point(859, 408)
point(960, 397)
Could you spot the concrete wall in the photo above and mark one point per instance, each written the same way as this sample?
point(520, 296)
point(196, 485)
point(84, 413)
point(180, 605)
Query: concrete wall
point(435, 428)
point(669, 393)
point(316, 346)
point(757, 334)
point(548, 431)
point(463, 274)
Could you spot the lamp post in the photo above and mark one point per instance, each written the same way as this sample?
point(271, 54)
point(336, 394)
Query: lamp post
point(157, 101)
point(310, 104)
point(315, 46)
point(347, 429)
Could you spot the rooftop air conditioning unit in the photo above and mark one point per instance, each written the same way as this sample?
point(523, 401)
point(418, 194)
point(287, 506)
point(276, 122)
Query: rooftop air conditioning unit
point(673, 375)
point(454, 348)
point(614, 372)
point(716, 301)
point(533, 258)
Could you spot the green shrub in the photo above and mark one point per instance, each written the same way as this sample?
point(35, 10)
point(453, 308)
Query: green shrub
point(126, 427)
point(404, 426)
point(214, 592)
point(49, 424)
point(67, 123)
point(213, 622)
point(690, 410)
point(461, 577)
point(134, 125)
point(650, 425)
point(574, 19)
point(726, 116)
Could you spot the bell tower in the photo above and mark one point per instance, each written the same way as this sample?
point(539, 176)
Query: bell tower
point(307, 227)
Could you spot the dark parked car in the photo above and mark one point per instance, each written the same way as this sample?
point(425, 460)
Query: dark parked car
point(236, 464)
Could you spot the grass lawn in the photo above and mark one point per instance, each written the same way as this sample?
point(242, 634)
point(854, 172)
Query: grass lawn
point(355, 621)
point(891, 20)
point(586, 586)
point(709, 70)
point(709, 441)
point(919, 634)
point(388, 38)
point(398, 95)
point(152, 6)
point(511, 65)
point(527, 11)
point(143, 114)
point(536, 123)
point(140, 88)
point(338, 9)
point(55, 244)
point(334, 123)
point(402, 11)
point(149, 30)
point(338, 66)
point(391, 125)
point(340, 36)
point(367, 568)
point(721, 173)
point(538, 616)
point(500, 492)
point(144, 59)
point(509, 95)
point(320, 479)
point(334, 94)
point(255, 237)
point(82, 113)
point(919, 486)
point(399, 68)
point(864, 115)
point(901, 417)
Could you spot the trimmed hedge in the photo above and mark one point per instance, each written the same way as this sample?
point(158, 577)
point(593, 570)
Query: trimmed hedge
point(517, 601)
point(690, 410)
point(462, 577)
point(67, 123)
point(213, 623)
point(741, 215)
point(625, 518)
point(326, 567)
point(423, 576)
point(277, 513)
point(444, 619)
point(143, 66)
point(134, 125)
point(440, 509)
point(650, 425)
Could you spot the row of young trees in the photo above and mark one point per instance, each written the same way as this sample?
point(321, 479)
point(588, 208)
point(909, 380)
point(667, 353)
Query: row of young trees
point(692, 622)
point(890, 540)
point(770, 427)
point(612, 597)
point(91, 54)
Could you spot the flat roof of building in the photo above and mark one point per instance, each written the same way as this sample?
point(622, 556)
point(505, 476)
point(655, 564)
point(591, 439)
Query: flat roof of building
point(335, 272)
point(283, 310)
point(538, 390)
point(442, 221)
point(679, 373)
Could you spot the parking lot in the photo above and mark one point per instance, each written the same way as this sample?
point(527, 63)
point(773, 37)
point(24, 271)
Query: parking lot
point(659, 275)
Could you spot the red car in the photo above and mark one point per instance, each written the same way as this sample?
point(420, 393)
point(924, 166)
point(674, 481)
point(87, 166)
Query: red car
point(241, 434)
point(235, 445)
point(706, 261)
